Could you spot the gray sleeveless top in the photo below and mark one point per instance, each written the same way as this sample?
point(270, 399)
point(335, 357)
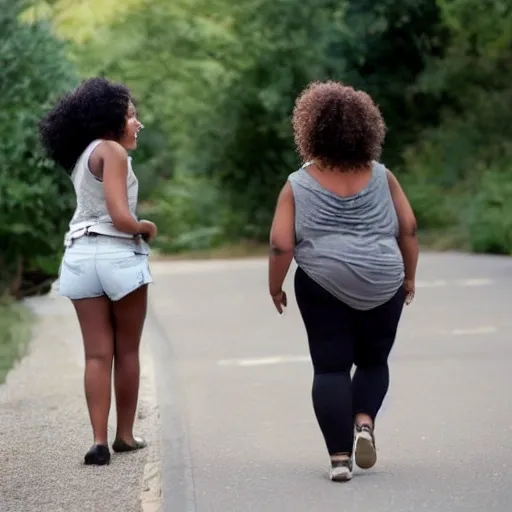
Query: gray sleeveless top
point(348, 245)
point(91, 211)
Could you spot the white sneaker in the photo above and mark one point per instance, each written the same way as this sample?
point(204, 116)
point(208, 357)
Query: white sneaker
point(341, 470)
point(365, 451)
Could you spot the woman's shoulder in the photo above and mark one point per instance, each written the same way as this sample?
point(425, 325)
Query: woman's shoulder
point(299, 174)
point(99, 148)
point(103, 150)
point(94, 156)
point(110, 148)
point(379, 168)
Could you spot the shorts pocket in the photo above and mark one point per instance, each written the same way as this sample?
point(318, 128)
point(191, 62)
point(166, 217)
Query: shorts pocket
point(141, 249)
point(123, 273)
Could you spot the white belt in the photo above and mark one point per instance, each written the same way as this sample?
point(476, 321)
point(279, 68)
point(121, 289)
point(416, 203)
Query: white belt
point(83, 228)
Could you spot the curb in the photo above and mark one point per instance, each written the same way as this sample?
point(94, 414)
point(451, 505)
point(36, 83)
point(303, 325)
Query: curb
point(178, 493)
point(151, 495)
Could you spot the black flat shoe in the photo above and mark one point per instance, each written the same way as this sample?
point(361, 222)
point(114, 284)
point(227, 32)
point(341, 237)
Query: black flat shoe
point(119, 446)
point(98, 455)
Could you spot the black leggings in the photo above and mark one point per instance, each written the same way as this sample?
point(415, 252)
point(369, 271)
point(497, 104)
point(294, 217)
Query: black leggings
point(340, 337)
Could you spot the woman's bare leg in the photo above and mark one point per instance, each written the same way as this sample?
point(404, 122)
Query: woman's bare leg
point(95, 320)
point(129, 315)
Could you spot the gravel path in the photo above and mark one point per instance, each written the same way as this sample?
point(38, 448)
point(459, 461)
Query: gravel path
point(45, 429)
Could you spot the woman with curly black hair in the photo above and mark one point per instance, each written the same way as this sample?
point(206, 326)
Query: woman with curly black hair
point(105, 268)
point(347, 222)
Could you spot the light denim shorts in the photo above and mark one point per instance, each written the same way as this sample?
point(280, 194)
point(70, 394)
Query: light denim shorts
point(96, 265)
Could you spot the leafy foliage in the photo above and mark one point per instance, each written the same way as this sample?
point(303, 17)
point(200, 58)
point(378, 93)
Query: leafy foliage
point(221, 79)
point(35, 198)
point(490, 216)
point(216, 83)
point(189, 214)
point(469, 153)
point(15, 328)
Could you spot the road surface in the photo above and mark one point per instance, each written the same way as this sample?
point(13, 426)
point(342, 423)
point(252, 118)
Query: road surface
point(239, 434)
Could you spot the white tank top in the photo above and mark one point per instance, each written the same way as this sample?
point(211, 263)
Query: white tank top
point(91, 213)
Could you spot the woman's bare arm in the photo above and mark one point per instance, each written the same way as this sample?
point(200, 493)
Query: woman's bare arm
point(282, 240)
point(115, 175)
point(407, 238)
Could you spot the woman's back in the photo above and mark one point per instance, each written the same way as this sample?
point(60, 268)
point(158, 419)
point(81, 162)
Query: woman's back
point(346, 231)
point(91, 205)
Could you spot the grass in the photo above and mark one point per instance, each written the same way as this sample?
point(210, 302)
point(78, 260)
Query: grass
point(244, 249)
point(454, 238)
point(15, 326)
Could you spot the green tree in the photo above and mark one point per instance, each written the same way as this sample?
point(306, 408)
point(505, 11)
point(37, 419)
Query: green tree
point(390, 45)
point(35, 198)
point(217, 82)
point(467, 158)
point(248, 142)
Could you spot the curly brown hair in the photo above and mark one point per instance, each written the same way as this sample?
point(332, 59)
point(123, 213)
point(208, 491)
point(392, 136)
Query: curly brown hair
point(337, 126)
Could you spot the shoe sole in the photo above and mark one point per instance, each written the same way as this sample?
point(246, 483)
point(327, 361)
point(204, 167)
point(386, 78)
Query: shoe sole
point(366, 455)
point(92, 461)
point(342, 477)
point(121, 447)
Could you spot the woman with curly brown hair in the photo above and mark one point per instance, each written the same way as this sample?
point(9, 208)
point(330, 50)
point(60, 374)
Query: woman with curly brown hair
point(104, 270)
point(346, 220)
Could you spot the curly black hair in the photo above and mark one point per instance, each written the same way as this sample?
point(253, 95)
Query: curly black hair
point(338, 126)
point(96, 109)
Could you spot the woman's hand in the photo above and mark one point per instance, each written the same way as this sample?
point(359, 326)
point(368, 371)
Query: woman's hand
point(409, 288)
point(280, 301)
point(148, 230)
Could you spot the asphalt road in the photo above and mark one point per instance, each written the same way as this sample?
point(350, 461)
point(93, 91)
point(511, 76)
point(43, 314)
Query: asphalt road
point(239, 434)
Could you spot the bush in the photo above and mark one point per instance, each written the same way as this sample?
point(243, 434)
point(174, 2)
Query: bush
point(36, 199)
point(490, 214)
point(217, 82)
point(189, 213)
point(15, 323)
point(153, 161)
point(431, 207)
